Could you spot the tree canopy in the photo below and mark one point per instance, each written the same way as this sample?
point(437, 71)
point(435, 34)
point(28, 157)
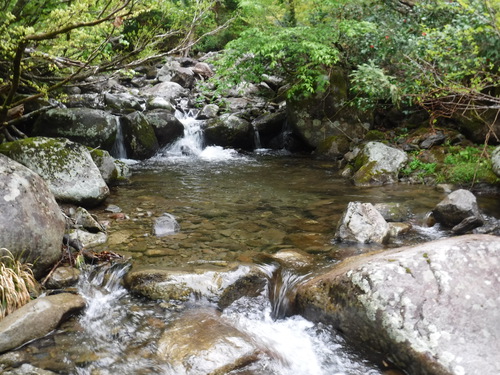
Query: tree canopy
point(442, 55)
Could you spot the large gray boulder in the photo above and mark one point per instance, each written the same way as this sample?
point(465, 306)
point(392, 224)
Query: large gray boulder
point(91, 127)
point(434, 307)
point(229, 131)
point(378, 164)
point(66, 167)
point(31, 221)
point(495, 161)
point(37, 318)
point(140, 138)
point(361, 222)
point(456, 207)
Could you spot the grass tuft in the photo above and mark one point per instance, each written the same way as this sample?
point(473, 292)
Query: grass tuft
point(17, 283)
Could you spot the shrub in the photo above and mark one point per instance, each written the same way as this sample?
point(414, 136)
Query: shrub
point(17, 283)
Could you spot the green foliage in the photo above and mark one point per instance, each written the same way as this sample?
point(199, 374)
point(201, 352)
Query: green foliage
point(17, 283)
point(420, 169)
point(468, 165)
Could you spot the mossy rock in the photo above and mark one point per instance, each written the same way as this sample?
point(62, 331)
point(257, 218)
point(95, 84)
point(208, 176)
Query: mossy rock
point(140, 138)
point(335, 146)
point(375, 135)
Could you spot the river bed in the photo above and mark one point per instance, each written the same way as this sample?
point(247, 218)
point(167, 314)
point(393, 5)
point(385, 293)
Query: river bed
point(230, 208)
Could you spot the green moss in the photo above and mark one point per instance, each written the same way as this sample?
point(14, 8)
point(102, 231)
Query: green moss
point(375, 135)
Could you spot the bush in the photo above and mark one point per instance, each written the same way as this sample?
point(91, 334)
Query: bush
point(17, 283)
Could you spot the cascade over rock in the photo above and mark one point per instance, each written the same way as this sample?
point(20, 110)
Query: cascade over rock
point(66, 167)
point(378, 164)
point(434, 307)
point(31, 221)
point(91, 127)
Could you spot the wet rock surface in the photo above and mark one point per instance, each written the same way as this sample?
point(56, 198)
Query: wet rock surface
point(434, 307)
point(200, 343)
point(37, 318)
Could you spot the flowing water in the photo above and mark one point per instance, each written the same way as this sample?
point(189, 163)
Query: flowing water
point(229, 208)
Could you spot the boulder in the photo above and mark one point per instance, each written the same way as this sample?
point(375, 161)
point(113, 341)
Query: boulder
point(166, 126)
point(393, 212)
point(37, 318)
point(140, 138)
point(378, 164)
point(124, 102)
point(63, 277)
point(201, 342)
point(170, 91)
point(157, 102)
point(269, 126)
point(229, 131)
point(181, 285)
point(66, 167)
point(361, 222)
point(325, 114)
point(495, 161)
point(173, 71)
point(91, 127)
point(203, 69)
point(335, 146)
point(31, 221)
point(83, 219)
point(456, 207)
point(208, 111)
point(434, 307)
point(113, 171)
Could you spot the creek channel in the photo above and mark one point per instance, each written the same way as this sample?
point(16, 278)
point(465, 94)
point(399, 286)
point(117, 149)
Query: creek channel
point(231, 209)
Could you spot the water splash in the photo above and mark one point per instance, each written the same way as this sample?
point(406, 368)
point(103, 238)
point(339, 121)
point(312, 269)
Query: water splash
point(281, 289)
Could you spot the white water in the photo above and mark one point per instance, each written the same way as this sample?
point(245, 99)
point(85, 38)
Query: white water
point(118, 338)
point(119, 151)
point(191, 146)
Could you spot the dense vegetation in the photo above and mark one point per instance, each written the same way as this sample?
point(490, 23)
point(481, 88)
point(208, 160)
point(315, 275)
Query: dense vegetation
point(440, 55)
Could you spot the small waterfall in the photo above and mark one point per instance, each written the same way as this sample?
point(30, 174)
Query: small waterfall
point(256, 138)
point(281, 287)
point(118, 150)
point(192, 142)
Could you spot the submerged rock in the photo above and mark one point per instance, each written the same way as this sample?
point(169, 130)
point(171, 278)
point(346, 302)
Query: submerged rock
point(434, 307)
point(66, 167)
point(31, 221)
point(165, 225)
point(201, 343)
point(37, 318)
point(362, 223)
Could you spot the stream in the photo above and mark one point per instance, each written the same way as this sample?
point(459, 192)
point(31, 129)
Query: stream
point(231, 208)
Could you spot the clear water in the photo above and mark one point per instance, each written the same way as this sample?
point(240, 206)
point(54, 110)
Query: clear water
point(230, 208)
